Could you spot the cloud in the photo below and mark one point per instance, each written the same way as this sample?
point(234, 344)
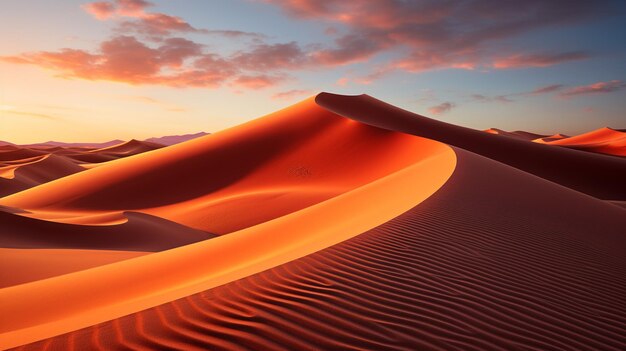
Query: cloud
point(257, 81)
point(175, 62)
point(415, 36)
point(538, 60)
point(343, 81)
point(126, 59)
point(136, 20)
point(33, 114)
point(290, 95)
point(435, 34)
point(483, 98)
point(595, 88)
point(101, 10)
point(546, 89)
point(441, 108)
point(268, 57)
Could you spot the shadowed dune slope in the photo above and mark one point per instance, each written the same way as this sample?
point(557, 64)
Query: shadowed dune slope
point(23, 167)
point(128, 147)
point(461, 271)
point(22, 174)
point(595, 174)
point(33, 249)
point(141, 232)
point(518, 134)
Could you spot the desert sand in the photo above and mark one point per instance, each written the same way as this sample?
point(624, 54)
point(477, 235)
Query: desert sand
point(341, 222)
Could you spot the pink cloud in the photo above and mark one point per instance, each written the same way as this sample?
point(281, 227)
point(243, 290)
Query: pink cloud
point(538, 60)
point(441, 108)
point(595, 88)
point(126, 59)
point(153, 24)
point(547, 89)
point(435, 34)
point(257, 81)
point(101, 10)
point(343, 81)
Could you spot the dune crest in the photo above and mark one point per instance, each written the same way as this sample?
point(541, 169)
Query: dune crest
point(328, 178)
point(571, 168)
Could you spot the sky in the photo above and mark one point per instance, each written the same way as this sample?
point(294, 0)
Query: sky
point(81, 71)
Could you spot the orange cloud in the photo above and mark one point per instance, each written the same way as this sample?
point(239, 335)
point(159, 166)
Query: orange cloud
point(538, 60)
point(125, 59)
point(256, 81)
point(441, 108)
point(101, 10)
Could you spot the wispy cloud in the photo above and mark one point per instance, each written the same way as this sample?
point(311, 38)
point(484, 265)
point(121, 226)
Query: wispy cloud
point(441, 108)
point(538, 59)
point(291, 94)
point(546, 89)
point(595, 88)
point(33, 114)
point(484, 98)
point(435, 34)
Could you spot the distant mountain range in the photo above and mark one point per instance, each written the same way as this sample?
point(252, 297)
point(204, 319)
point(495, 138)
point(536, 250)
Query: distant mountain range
point(164, 140)
point(175, 139)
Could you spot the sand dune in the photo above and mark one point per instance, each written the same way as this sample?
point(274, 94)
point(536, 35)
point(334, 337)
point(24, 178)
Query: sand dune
point(140, 232)
point(516, 134)
point(132, 147)
point(550, 138)
point(23, 167)
point(459, 271)
point(594, 174)
point(201, 182)
point(340, 226)
point(322, 151)
point(604, 140)
point(175, 139)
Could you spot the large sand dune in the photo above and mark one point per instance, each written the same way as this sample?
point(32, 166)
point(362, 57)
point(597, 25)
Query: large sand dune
point(340, 227)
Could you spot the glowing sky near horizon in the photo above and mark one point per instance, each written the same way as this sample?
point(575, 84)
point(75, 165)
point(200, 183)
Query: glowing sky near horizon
point(122, 69)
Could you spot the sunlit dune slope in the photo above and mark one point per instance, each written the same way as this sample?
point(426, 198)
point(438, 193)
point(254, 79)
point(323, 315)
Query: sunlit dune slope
point(140, 232)
point(328, 178)
point(292, 159)
point(18, 266)
point(595, 174)
point(32, 249)
point(497, 259)
point(603, 140)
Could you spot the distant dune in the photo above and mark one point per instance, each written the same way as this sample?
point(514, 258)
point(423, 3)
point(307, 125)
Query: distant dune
point(341, 222)
point(605, 140)
point(175, 139)
point(22, 167)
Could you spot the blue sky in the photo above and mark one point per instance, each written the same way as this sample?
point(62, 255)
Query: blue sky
point(77, 70)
